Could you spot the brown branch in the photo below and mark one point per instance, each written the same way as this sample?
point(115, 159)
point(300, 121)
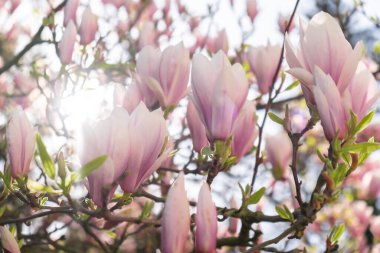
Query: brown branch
point(258, 159)
point(34, 41)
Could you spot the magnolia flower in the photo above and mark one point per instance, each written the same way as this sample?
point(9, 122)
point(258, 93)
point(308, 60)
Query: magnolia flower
point(283, 21)
point(108, 137)
point(197, 130)
point(14, 5)
point(164, 76)
point(362, 91)
point(244, 131)
point(370, 185)
point(8, 241)
point(219, 93)
point(132, 97)
point(332, 109)
point(70, 11)
point(334, 56)
point(88, 27)
point(148, 34)
point(206, 222)
point(279, 151)
point(359, 214)
point(147, 133)
point(24, 83)
point(220, 42)
point(175, 219)
point(263, 62)
point(375, 227)
point(116, 3)
point(66, 45)
point(21, 143)
point(252, 9)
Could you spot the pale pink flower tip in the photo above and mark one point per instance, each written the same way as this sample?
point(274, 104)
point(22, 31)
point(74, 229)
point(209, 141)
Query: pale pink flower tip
point(175, 219)
point(21, 143)
point(206, 222)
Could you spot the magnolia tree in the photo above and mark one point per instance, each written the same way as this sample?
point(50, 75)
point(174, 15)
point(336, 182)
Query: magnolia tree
point(142, 126)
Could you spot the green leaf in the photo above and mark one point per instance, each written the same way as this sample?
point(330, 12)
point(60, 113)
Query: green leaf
point(92, 165)
point(148, 207)
point(255, 197)
point(363, 147)
point(275, 118)
point(47, 162)
point(43, 201)
point(8, 177)
point(364, 122)
point(336, 233)
point(289, 214)
point(3, 208)
point(293, 85)
point(282, 212)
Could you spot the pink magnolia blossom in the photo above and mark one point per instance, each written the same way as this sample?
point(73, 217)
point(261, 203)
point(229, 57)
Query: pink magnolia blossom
point(88, 27)
point(66, 45)
point(197, 129)
point(283, 21)
point(70, 11)
point(14, 5)
point(167, 7)
point(147, 134)
point(322, 32)
point(332, 110)
point(116, 3)
point(21, 143)
point(164, 76)
point(24, 83)
point(362, 91)
point(108, 137)
point(252, 9)
point(148, 34)
point(219, 93)
point(175, 219)
point(375, 227)
point(132, 97)
point(220, 42)
point(244, 132)
point(370, 185)
point(279, 151)
point(263, 62)
point(359, 214)
point(8, 241)
point(206, 222)
point(373, 130)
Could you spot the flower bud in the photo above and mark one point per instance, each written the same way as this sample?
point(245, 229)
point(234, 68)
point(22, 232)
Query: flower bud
point(263, 62)
point(8, 241)
point(66, 45)
point(197, 129)
point(61, 166)
point(175, 219)
point(375, 227)
point(88, 27)
point(252, 9)
point(219, 92)
point(21, 143)
point(70, 11)
point(279, 151)
point(206, 222)
point(244, 131)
